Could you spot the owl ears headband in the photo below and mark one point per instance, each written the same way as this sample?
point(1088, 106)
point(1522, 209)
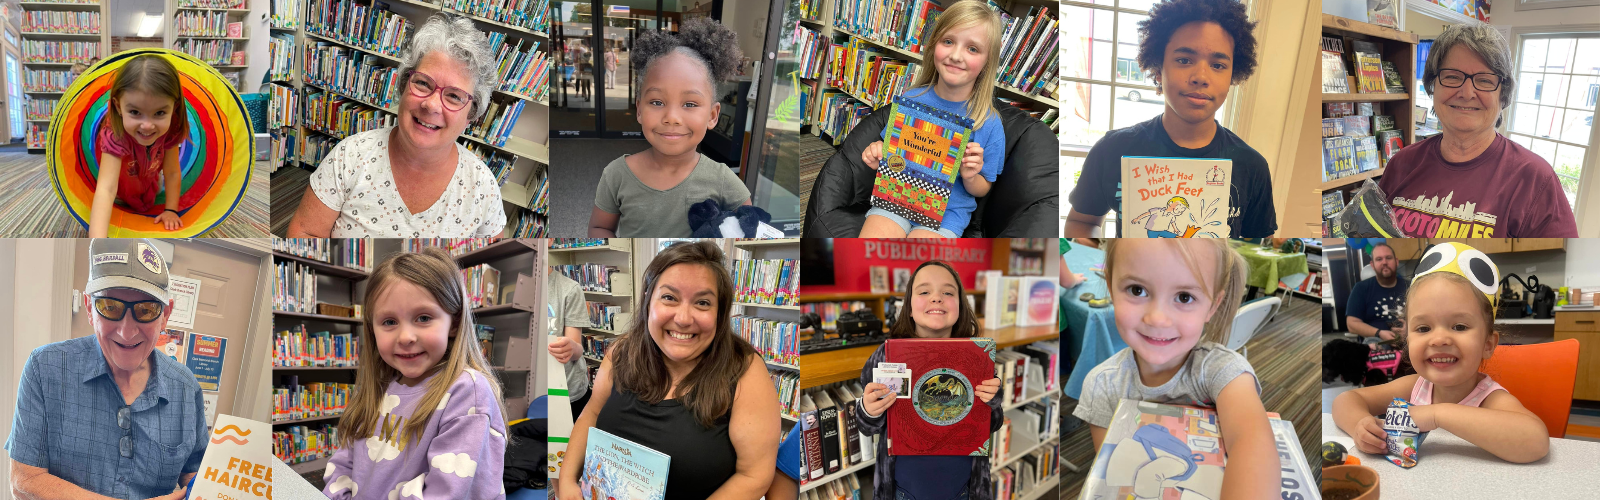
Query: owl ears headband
point(1465, 261)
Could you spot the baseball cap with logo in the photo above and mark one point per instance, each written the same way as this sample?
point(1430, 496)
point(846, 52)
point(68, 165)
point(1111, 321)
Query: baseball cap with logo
point(127, 263)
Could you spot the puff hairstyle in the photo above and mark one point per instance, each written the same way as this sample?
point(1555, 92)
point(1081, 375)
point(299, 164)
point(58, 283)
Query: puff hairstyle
point(703, 40)
point(1166, 17)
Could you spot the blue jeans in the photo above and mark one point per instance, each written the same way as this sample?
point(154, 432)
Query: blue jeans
point(906, 225)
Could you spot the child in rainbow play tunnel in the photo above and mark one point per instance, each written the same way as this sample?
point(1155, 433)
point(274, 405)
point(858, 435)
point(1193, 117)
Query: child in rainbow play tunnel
point(139, 145)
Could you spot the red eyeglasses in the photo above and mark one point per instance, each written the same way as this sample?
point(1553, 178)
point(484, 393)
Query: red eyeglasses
point(423, 86)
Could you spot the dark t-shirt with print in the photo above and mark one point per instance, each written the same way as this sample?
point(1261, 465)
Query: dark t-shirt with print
point(1506, 192)
point(1099, 188)
point(1378, 307)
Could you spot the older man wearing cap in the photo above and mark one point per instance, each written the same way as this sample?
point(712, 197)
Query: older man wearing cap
point(106, 417)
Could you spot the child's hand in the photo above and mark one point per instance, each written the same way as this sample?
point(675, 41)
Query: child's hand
point(169, 220)
point(563, 349)
point(972, 164)
point(1370, 437)
point(872, 155)
point(877, 399)
point(568, 490)
point(987, 389)
point(1426, 417)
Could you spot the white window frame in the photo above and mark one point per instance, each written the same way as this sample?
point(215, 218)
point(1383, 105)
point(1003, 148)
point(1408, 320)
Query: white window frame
point(1586, 208)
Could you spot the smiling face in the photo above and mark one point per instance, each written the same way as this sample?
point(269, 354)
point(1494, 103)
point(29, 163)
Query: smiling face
point(1447, 335)
point(934, 306)
point(683, 312)
point(145, 116)
point(1197, 71)
point(1465, 110)
point(412, 331)
point(126, 344)
point(678, 104)
point(425, 122)
point(961, 55)
point(1160, 306)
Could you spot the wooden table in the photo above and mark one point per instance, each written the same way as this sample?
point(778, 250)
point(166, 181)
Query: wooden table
point(845, 364)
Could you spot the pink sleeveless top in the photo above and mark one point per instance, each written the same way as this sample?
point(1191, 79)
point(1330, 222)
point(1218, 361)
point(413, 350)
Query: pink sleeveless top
point(1422, 393)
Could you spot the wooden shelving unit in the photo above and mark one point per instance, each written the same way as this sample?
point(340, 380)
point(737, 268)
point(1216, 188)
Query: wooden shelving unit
point(1398, 47)
point(615, 252)
point(35, 130)
point(788, 248)
point(240, 43)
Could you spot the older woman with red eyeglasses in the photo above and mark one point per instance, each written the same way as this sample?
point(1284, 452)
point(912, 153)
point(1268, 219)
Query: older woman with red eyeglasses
point(412, 179)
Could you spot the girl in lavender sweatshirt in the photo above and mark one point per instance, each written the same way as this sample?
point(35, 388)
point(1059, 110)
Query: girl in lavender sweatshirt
point(424, 420)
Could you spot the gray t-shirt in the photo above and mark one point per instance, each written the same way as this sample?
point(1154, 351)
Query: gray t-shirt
point(652, 213)
point(1198, 382)
point(567, 310)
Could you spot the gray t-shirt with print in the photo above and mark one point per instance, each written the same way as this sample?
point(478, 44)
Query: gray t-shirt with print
point(567, 310)
point(649, 212)
point(1199, 381)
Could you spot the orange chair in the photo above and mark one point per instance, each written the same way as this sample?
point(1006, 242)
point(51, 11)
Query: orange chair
point(1540, 376)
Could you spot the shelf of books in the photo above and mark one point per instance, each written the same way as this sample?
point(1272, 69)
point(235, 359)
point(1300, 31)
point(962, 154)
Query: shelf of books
point(214, 32)
point(603, 268)
point(1368, 80)
point(336, 72)
point(316, 314)
point(856, 55)
point(56, 36)
point(766, 278)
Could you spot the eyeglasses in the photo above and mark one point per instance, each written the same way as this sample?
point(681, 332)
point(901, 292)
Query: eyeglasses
point(423, 86)
point(144, 311)
point(1487, 82)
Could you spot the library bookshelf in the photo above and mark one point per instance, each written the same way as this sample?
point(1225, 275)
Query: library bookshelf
point(1398, 47)
point(49, 52)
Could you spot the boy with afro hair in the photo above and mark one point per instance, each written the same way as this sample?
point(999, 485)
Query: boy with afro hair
point(1194, 51)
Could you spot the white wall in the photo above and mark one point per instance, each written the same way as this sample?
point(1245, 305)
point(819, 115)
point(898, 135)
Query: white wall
point(1582, 269)
point(1504, 13)
point(1286, 41)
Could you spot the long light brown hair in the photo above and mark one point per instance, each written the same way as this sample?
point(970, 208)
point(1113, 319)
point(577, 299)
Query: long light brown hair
point(966, 325)
point(434, 271)
point(962, 15)
point(154, 75)
point(640, 367)
point(1225, 292)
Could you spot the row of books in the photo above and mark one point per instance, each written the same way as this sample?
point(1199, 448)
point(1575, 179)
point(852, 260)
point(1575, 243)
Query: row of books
point(494, 127)
point(1356, 140)
point(1022, 429)
point(528, 14)
point(1009, 300)
point(354, 74)
point(598, 278)
point(811, 50)
point(837, 113)
point(608, 317)
point(285, 14)
point(316, 148)
point(777, 341)
point(1032, 243)
point(868, 73)
point(558, 243)
point(848, 487)
point(456, 246)
point(835, 443)
point(541, 192)
point(206, 24)
point(1026, 264)
point(212, 4)
point(1028, 473)
point(521, 71)
point(345, 252)
point(483, 285)
point(61, 22)
point(1027, 371)
point(500, 163)
point(318, 399)
point(897, 23)
point(285, 105)
point(47, 80)
point(341, 117)
point(296, 288)
point(299, 444)
point(766, 281)
point(298, 347)
point(788, 384)
point(281, 57)
point(213, 52)
point(285, 142)
point(596, 347)
point(371, 26)
point(47, 51)
point(1367, 72)
point(830, 311)
point(1028, 48)
point(39, 109)
point(530, 225)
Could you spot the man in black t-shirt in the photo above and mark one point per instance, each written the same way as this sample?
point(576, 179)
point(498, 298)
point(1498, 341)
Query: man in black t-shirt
point(1194, 50)
point(1377, 304)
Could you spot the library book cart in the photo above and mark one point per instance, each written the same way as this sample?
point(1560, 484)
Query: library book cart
point(321, 291)
point(55, 36)
point(1398, 47)
point(333, 74)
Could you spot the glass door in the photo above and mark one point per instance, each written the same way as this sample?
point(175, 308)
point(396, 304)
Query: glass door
point(572, 105)
point(14, 96)
point(614, 76)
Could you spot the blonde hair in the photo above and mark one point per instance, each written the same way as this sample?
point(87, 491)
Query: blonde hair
point(436, 273)
point(1179, 200)
point(963, 14)
point(1226, 292)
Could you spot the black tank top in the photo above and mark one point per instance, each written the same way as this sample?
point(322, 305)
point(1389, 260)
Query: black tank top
point(702, 458)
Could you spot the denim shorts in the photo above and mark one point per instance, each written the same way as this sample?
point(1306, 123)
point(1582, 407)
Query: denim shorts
point(906, 225)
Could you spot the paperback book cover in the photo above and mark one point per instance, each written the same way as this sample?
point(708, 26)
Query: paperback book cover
point(616, 468)
point(1366, 153)
point(1338, 158)
point(922, 151)
point(1176, 197)
point(1382, 13)
point(1332, 203)
point(944, 415)
point(1174, 452)
point(1038, 297)
point(1334, 76)
point(1390, 142)
point(999, 288)
point(1391, 79)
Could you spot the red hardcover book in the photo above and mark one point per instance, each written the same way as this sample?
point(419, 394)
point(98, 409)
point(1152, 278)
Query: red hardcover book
point(944, 415)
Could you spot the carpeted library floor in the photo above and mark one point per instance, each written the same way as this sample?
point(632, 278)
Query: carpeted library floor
point(814, 152)
point(1286, 355)
point(29, 207)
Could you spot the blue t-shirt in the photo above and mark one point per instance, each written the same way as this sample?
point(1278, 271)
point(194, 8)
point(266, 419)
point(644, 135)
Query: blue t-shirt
point(789, 454)
point(1378, 307)
point(991, 136)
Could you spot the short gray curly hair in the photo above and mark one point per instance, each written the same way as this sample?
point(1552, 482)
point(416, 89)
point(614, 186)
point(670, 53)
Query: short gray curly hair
point(456, 37)
point(1488, 43)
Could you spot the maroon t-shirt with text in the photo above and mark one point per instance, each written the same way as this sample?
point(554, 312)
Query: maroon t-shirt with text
point(1506, 192)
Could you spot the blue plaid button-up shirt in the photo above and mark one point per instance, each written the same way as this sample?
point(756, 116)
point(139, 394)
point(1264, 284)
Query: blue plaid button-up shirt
point(67, 422)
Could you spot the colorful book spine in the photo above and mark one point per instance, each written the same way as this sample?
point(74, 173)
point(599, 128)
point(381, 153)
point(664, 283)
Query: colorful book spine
point(351, 73)
point(299, 443)
point(777, 341)
point(39, 109)
point(45, 80)
point(285, 14)
point(61, 22)
point(281, 53)
point(341, 117)
point(42, 51)
point(320, 399)
point(201, 23)
point(213, 52)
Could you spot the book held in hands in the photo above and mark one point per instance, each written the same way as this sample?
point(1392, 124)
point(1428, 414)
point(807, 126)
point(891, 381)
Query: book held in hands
point(922, 151)
point(1176, 197)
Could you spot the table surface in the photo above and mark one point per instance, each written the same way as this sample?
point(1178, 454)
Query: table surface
point(845, 364)
point(1451, 467)
point(288, 485)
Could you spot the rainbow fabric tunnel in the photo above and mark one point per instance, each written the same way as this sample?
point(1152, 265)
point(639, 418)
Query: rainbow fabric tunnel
point(215, 159)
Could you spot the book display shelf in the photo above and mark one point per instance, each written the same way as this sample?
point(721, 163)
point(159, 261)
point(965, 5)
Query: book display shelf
point(56, 34)
point(214, 31)
point(855, 56)
point(770, 320)
point(1394, 46)
point(335, 72)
